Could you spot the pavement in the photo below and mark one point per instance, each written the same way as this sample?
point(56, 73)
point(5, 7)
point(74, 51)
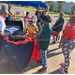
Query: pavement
point(54, 54)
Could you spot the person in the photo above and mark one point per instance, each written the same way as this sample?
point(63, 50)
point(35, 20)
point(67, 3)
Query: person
point(38, 9)
point(67, 44)
point(9, 7)
point(58, 27)
point(26, 19)
point(68, 24)
point(31, 29)
point(39, 21)
point(44, 40)
point(44, 13)
point(13, 17)
point(4, 13)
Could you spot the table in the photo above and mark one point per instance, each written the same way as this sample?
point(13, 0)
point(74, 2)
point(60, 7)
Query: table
point(16, 56)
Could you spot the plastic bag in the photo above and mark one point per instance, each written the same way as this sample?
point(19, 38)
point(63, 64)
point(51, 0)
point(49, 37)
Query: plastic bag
point(36, 50)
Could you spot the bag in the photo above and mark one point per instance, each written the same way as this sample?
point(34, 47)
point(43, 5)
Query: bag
point(54, 33)
point(36, 51)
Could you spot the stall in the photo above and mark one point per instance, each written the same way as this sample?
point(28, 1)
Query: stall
point(14, 56)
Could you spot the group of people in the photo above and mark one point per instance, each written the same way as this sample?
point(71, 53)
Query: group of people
point(43, 31)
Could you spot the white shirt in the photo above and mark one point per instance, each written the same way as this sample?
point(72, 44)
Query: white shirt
point(2, 24)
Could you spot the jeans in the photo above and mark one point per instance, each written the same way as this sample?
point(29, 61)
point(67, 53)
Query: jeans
point(44, 58)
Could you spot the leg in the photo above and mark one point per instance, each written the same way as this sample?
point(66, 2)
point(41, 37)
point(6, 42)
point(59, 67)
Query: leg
point(58, 36)
point(1, 42)
point(68, 46)
point(44, 61)
point(44, 58)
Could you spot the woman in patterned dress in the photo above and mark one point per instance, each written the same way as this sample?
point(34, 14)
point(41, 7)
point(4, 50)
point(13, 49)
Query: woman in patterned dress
point(68, 44)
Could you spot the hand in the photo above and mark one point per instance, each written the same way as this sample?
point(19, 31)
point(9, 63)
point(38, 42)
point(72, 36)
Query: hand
point(60, 46)
point(7, 34)
point(38, 40)
point(33, 32)
point(55, 27)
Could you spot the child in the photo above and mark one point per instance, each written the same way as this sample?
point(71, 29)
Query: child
point(38, 9)
point(13, 17)
point(44, 40)
point(31, 28)
point(26, 19)
point(39, 21)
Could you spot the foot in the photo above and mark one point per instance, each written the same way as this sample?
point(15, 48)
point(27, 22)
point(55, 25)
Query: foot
point(62, 71)
point(54, 42)
point(63, 63)
point(58, 41)
point(43, 70)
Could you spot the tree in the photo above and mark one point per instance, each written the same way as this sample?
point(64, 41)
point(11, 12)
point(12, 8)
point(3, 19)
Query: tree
point(72, 9)
point(49, 1)
point(59, 7)
point(61, 1)
point(71, 2)
point(51, 7)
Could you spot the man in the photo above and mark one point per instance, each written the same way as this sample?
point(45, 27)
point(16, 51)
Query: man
point(58, 27)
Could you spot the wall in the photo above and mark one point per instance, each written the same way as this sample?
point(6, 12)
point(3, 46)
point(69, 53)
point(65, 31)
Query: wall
point(66, 7)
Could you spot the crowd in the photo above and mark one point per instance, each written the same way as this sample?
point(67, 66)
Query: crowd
point(43, 31)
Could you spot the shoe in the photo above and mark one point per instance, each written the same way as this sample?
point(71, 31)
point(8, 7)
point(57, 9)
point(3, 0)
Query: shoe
point(63, 63)
point(58, 41)
point(43, 70)
point(62, 71)
point(54, 42)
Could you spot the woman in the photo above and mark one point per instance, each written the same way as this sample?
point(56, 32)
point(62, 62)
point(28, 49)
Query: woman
point(3, 15)
point(68, 44)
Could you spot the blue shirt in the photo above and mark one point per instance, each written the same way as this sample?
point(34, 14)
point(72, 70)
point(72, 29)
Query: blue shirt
point(45, 33)
point(8, 10)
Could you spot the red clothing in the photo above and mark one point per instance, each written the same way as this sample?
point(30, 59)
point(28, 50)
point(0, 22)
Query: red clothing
point(26, 18)
point(69, 32)
point(2, 17)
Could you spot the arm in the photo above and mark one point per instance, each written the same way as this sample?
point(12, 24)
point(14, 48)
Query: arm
point(39, 40)
point(2, 34)
point(63, 38)
point(61, 22)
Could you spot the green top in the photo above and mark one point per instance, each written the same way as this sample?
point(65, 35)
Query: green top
point(45, 33)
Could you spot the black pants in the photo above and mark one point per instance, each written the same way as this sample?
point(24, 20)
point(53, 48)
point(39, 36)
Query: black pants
point(1, 42)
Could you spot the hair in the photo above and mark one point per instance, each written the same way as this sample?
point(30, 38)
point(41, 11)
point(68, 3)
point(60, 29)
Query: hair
point(27, 13)
point(4, 8)
point(47, 6)
point(38, 6)
point(47, 19)
point(62, 13)
point(72, 19)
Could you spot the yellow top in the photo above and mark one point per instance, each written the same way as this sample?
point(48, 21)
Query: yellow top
point(32, 29)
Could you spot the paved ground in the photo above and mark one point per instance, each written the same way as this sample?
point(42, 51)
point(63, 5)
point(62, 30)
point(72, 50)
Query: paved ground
point(55, 57)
